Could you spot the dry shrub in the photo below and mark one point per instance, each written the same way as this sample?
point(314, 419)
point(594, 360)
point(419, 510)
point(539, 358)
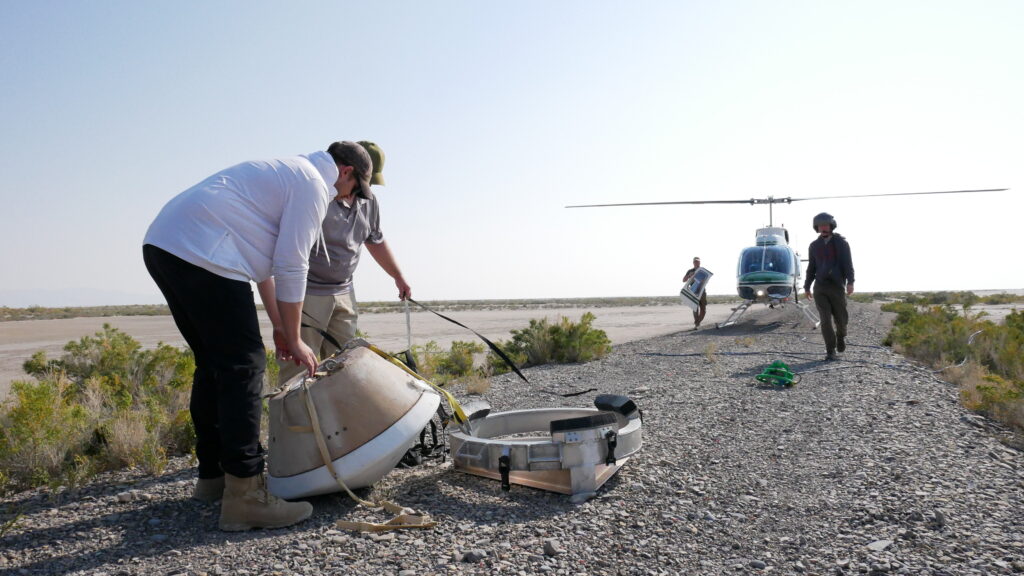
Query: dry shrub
point(1012, 413)
point(131, 443)
point(92, 399)
point(126, 439)
point(990, 394)
point(176, 401)
point(968, 377)
point(711, 352)
point(476, 384)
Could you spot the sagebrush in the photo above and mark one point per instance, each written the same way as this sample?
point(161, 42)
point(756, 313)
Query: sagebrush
point(104, 404)
point(561, 342)
point(446, 366)
point(985, 359)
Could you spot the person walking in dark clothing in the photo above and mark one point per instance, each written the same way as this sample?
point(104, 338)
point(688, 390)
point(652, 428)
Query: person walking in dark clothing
point(830, 269)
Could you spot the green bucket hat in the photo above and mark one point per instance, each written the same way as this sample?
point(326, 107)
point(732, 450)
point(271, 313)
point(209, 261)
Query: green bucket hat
point(377, 155)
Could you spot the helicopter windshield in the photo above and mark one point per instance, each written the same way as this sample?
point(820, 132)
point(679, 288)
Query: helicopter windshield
point(766, 259)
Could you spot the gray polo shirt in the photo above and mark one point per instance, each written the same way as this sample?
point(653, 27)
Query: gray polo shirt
point(345, 231)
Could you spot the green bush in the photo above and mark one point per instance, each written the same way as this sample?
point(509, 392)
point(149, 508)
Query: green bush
point(545, 343)
point(963, 299)
point(1002, 298)
point(904, 312)
point(444, 366)
point(126, 373)
point(43, 428)
point(997, 390)
point(1005, 354)
point(992, 377)
point(867, 297)
point(104, 404)
point(938, 333)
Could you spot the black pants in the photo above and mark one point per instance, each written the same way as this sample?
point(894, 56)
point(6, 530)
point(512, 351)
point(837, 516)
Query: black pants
point(830, 300)
point(217, 317)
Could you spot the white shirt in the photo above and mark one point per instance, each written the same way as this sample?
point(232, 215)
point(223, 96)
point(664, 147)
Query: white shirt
point(252, 221)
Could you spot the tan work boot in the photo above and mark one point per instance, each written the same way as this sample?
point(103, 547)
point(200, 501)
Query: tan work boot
point(209, 489)
point(247, 504)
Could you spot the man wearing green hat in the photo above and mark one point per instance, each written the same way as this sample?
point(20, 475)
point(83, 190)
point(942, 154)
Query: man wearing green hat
point(352, 220)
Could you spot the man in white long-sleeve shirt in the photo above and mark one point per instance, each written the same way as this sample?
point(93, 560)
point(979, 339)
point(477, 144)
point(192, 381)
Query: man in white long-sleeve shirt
point(256, 221)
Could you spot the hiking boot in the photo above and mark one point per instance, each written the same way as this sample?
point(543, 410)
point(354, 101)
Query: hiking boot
point(247, 504)
point(841, 344)
point(209, 489)
point(830, 356)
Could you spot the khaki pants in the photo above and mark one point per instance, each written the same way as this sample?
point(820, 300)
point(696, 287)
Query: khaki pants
point(830, 300)
point(337, 314)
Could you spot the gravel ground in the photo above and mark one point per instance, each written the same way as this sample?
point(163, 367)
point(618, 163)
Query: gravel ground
point(868, 465)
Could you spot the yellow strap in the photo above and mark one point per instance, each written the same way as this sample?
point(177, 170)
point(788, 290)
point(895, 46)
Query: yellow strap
point(405, 518)
point(460, 416)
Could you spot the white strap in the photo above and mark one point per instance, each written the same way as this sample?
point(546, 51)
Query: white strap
point(405, 517)
point(408, 328)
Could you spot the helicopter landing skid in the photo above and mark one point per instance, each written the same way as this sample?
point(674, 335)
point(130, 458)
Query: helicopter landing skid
point(809, 314)
point(735, 316)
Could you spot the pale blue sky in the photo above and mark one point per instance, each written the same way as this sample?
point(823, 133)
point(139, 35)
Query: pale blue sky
point(495, 115)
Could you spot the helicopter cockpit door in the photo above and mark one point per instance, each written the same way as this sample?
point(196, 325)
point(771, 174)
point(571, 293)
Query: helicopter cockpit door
point(694, 288)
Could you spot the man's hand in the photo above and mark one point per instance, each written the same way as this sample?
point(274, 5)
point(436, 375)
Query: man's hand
point(281, 345)
point(807, 293)
point(291, 328)
point(303, 354)
point(404, 291)
point(849, 289)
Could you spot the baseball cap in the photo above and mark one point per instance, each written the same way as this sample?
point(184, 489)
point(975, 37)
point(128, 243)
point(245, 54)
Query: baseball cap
point(354, 155)
point(377, 155)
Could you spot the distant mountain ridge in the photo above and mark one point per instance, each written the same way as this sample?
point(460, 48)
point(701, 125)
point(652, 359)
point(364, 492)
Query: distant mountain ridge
point(74, 297)
point(83, 297)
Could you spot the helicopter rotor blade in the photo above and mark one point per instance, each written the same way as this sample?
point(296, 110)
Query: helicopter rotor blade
point(751, 201)
point(900, 194)
point(784, 200)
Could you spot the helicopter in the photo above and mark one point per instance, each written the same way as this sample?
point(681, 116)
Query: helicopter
point(769, 272)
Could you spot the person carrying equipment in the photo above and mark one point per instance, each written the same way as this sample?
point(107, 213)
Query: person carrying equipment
point(698, 315)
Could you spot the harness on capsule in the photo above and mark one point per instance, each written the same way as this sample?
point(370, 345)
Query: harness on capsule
point(405, 518)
